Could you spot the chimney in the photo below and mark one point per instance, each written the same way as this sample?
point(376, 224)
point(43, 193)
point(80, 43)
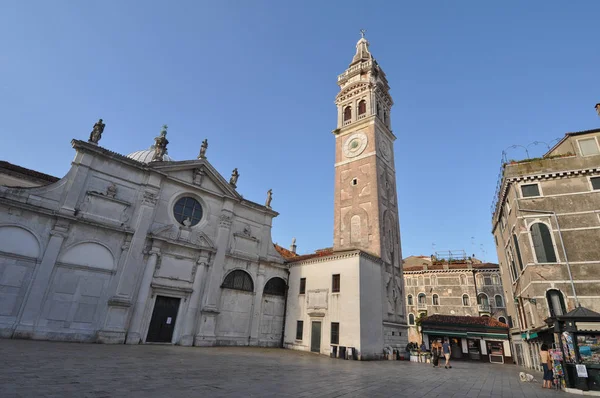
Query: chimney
point(293, 245)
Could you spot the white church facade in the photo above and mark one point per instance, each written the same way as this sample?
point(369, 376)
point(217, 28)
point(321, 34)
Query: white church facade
point(142, 248)
point(125, 249)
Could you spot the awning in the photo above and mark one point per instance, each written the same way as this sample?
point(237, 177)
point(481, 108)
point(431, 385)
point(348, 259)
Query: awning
point(489, 335)
point(445, 333)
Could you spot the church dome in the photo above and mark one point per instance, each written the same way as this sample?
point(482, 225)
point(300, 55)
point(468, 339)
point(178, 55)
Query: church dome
point(145, 156)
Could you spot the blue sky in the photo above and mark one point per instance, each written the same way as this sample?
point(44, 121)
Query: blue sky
point(258, 79)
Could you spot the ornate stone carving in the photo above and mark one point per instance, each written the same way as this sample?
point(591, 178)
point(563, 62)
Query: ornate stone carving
point(234, 177)
point(203, 149)
point(96, 133)
point(224, 221)
point(111, 190)
point(269, 198)
point(247, 231)
point(160, 145)
point(198, 176)
point(149, 198)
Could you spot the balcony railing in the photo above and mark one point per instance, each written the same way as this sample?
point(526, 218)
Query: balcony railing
point(483, 307)
point(421, 306)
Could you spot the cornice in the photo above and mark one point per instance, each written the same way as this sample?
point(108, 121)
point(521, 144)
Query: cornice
point(339, 256)
point(506, 182)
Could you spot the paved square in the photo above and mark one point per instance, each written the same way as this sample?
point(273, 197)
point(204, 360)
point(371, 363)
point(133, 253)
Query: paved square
point(48, 369)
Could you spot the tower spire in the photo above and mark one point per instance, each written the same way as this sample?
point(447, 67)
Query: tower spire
point(362, 49)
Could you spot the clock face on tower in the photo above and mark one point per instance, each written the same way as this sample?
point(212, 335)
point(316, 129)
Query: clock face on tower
point(355, 145)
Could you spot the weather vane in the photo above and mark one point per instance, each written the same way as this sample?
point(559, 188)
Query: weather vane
point(362, 33)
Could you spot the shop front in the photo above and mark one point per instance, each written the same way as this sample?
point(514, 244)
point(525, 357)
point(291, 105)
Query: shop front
point(471, 338)
point(579, 335)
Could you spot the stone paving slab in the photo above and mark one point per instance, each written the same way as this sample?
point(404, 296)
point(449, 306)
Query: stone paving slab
point(52, 369)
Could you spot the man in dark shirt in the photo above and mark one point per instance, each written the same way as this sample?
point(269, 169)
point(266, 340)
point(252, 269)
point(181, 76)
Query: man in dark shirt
point(447, 351)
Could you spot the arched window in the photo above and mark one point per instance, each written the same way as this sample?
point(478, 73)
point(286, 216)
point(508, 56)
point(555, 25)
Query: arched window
point(463, 279)
point(411, 319)
point(542, 243)
point(238, 280)
point(347, 114)
point(378, 109)
point(422, 298)
point(502, 319)
point(409, 300)
point(466, 302)
point(479, 279)
point(433, 280)
point(482, 299)
point(518, 252)
point(499, 301)
point(275, 287)
point(556, 303)
point(495, 280)
point(385, 117)
point(436, 299)
point(362, 107)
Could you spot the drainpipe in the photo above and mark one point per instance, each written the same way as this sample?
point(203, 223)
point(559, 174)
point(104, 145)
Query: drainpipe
point(285, 308)
point(563, 248)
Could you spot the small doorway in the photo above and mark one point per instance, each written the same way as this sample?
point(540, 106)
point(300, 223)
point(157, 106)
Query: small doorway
point(162, 323)
point(315, 337)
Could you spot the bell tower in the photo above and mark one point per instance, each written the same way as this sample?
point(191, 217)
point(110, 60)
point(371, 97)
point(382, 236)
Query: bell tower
point(365, 204)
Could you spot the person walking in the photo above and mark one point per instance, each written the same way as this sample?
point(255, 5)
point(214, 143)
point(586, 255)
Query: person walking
point(435, 352)
point(546, 361)
point(447, 351)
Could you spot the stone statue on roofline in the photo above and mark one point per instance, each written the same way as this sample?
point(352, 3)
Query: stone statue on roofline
point(234, 177)
point(598, 108)
point(160, 145)
point(269, 198)
point(203, 149)
point(96, 133)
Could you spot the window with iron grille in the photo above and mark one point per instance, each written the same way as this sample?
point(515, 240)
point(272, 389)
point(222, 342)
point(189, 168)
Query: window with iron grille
point(335, 283)
point(238, 280)
point(302, 286)
point(187, 208)
point(275, 287)
point(335, 333)
point(530, 190)
point(299, 329)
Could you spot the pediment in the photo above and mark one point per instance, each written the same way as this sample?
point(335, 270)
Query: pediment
point(200, 173)
point(352, 90)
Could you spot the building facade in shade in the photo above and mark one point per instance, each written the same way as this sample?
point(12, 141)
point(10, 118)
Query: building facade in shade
point(137, 248)
point(350, 295)
point(546, 228)
point(438, 285)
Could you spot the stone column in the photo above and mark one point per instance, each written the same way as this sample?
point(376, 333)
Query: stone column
point(133, 334)
point(257, 305)
point(187, 338)
point(41, 283)
point(210, 310)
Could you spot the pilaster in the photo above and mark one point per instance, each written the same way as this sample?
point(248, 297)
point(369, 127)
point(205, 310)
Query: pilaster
point(187, 338)
point(208, 318)
point(41, 282)
point(256, 307)
point(134, 333)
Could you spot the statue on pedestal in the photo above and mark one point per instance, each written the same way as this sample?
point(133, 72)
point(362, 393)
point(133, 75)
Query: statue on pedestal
point(269, 198)
point(234, 177)
point(160, 145)
point(203, 149)
point(598, 108)
point(96, 133)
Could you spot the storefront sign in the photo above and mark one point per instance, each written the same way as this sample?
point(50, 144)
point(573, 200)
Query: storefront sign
point(581, 371)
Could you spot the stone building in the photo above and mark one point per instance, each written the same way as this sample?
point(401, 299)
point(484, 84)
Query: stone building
point(350, 295)
point(451, 285)
point(546, 226)
point(138, 248)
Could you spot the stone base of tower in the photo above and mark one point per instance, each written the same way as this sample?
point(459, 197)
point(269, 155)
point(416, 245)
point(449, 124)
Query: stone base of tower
point(341, 307)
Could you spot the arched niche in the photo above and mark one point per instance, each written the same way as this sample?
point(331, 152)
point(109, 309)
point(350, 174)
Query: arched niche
point(89, 254)
point(19, 241)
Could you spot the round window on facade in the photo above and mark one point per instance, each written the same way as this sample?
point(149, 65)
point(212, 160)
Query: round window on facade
point(187, 208)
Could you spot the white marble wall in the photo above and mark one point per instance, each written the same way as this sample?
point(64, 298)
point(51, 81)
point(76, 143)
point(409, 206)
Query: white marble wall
point(84, 258)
